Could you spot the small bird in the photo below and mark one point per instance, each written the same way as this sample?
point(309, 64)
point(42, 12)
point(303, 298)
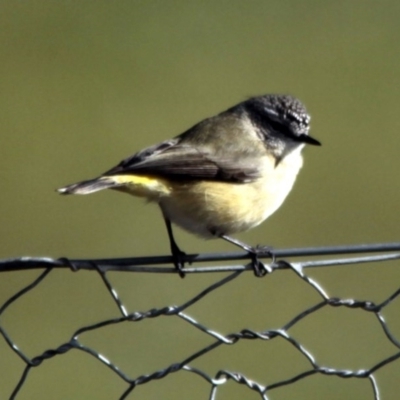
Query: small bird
point(225, 175)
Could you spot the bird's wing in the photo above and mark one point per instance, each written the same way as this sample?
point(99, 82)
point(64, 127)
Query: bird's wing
point(175, 160)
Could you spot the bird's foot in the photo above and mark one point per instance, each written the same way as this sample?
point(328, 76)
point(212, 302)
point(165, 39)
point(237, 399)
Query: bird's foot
point(259, 268)
point(178, 260)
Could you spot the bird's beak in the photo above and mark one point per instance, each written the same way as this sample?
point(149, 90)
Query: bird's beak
point(309, 140)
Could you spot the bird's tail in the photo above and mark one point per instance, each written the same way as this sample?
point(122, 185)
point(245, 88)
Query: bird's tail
point(151, 188)
point(90, 186)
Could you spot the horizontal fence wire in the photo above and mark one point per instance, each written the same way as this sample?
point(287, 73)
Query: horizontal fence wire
point(282, 261)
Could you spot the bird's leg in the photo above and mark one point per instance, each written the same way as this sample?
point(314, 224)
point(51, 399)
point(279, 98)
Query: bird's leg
point(177, 253)
point(259, 268)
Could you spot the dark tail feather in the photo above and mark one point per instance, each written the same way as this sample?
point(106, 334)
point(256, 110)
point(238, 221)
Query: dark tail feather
point(90, 186)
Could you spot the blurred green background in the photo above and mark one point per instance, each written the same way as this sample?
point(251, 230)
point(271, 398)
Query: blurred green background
point(86, 83)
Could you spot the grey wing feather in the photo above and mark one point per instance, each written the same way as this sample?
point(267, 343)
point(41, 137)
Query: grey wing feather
point(176, 160)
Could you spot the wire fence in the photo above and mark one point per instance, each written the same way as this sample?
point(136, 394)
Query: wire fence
point(327, 257)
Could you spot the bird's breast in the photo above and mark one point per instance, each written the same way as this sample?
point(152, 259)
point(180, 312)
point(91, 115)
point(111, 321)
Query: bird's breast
point(209, 208)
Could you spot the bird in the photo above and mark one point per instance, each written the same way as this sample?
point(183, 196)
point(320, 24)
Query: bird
point(224, 175)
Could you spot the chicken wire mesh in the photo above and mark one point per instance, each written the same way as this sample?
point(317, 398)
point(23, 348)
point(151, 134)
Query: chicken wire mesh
point(327, 257)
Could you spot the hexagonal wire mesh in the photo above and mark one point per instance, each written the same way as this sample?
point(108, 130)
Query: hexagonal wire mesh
point(151, 264)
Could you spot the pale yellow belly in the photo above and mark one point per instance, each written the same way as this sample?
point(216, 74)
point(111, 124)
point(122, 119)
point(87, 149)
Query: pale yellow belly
point(211, 208)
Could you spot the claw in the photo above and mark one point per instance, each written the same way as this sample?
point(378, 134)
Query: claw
point(260, 269)
point(178, 262)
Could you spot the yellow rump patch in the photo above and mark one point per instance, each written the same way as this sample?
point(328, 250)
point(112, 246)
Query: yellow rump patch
point(143, 186)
